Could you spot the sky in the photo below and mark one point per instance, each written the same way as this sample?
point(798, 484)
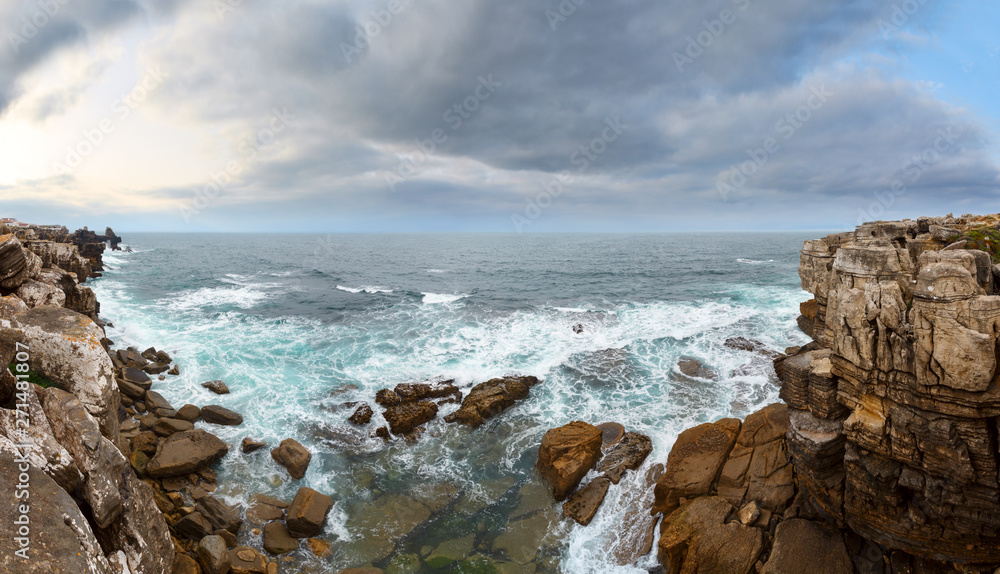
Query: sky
point(496, 116)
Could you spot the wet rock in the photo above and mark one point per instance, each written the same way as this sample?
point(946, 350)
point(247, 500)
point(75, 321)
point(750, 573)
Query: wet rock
point(217, 387)
point(220, 516)
point(412, 392)
point(582, 506)
point(696, 538)
point(578, 329)
point(167, 427)
point(185, 452)
point(436, 497)
point(383, 433)
point(277, 540)
point(611, 433)
point(307, 513)
point(320, 548)
point(189, 413)
point(387, 519)
point(247, 561)
point(752, 346)
point(386, 398)
point(406, 417)
point(137, 377)
point(806, 546)
point(62, 539)
point(261, 513)
point(533, 496)
point(362, 415)
point(249, 445)
point(131, 390)
point(175, 370)
point(362, 570)
point(628, 454)
point(696, 369)
point(219, 415)
point(293, 456)
point(567, 453)
point(450, 551)
point(157, 368)
point(213, 555)
point(66, 349)
point(155, 402)
point(521, 540)
point(695, 462)
point(487, 400)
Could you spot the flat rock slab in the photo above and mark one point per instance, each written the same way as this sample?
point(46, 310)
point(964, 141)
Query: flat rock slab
point(583, 505)
point(185, 452)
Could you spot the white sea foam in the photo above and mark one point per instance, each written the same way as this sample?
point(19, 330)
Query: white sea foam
point(433, 298)
point(366, 289)
point(436, 271)
point(572, 310)
point(241, 297)
point(754, 261)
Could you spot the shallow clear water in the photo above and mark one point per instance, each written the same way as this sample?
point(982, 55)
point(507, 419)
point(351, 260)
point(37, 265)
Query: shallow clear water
point(299, 325)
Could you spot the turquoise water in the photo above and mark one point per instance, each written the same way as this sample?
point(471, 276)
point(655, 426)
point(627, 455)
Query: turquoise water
point(299, 325)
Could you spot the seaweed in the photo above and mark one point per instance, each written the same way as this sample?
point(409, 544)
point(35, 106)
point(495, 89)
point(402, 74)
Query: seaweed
point(985, 238)
point(33, 377)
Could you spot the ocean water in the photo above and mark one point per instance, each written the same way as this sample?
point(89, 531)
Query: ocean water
point(302, 326)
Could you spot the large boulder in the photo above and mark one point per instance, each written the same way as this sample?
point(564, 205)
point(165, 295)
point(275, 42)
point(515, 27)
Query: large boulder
point(293, 456)
point(487, 400)
point(696, 539)
point(566, 455)
point(103, 465)
point(695, 462)
point(307, 512)
point(65, 347)
point(57, 537)
point(185, 452)
point(62, 255)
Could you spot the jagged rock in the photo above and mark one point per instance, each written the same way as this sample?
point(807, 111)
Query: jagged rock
point(806, 546)
point(186, 452)
point(404, 418)
point(758, 468)
point(694, 368)
point(59, 538)
point(249, 445)
point(412, 392)
point(487, 400)
point(213, 555)
point(307, 513)
point(386, 398)
point(66, 349)
point(696, 538)
point(217, 387)
point(628, 454)
point(362, 415)
point(582, 506)
point(102, 465)
point(293, 456)
point(219, 415)
point(695, 462)
point(139, 533)
point(35, 293)
point(566, 454)
point(17, 264)
point(277, 540)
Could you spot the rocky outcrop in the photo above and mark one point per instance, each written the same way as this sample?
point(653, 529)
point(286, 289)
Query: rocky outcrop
point(487, 400)
point(695, 462)
point(894, 411)
point(566, 455)
point(17, 264)
point(65, 256)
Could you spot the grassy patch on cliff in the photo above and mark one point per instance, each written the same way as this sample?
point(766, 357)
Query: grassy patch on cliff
point(985, 239)
point(34, 378)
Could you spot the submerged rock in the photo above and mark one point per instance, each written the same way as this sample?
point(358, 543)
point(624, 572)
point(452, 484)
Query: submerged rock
point(406, 417)
point(362, 415)
point(567, 453)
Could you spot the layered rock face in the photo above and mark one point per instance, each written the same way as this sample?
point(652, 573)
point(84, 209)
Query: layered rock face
point(895, 410)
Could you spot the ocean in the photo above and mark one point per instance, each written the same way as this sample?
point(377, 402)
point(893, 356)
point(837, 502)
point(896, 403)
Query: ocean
point(301, 327)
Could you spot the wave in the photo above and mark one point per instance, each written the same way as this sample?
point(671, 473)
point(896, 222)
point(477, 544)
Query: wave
point(433, 298)
point(366, 289)
point(241, 297)
point(754, 261)
point(436, 271)
point(572, 310)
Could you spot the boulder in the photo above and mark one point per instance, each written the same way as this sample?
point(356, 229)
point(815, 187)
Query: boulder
point(362, 415)
point(137, 377)
point(404, 418)
point(185, 452)
point(293, 456)
point(217, 387)
point(412, 392)
point(386, 398)
point(35, 293)
point(277, 540)
point(193, 526)
point(219, 415)
point(102, 465)
point(806, 546)
point(184, 564)
point(249, 445)
point(759, 468)
point(167, 427)
point(611, 433)
point(66, 349)
point(566, 454)
point(189, 413)
point(247, 561)
point(59, 538)
point(628, 454)
point(696, 538)
point(261, 513)
point(307, 513)
point(695, 462)
point(213, 555)
point(220, 516)
point(582, 506)
point(487, 400)
point(155, 401)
